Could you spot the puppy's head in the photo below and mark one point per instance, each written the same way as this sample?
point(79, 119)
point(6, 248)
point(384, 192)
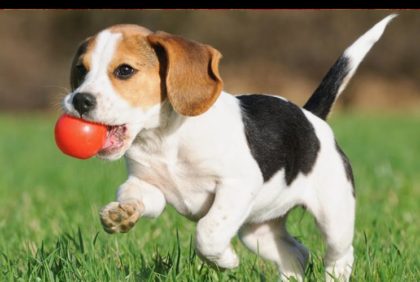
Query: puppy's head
point(122, 76)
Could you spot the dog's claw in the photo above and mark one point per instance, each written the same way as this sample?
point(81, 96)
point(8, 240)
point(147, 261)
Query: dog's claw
point(120, 217)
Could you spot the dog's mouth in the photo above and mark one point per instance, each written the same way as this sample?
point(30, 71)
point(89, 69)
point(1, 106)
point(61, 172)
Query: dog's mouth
point(115, 140)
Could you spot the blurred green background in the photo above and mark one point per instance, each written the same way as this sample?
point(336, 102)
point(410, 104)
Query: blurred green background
point(282, 52)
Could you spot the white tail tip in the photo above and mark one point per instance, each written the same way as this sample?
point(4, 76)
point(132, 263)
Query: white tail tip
point(357, 51)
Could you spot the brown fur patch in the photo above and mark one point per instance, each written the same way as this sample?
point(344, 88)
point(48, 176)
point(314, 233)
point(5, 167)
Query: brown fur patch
point(143, 89)
point(87, 57)
point(130, 29)
point(192, 77)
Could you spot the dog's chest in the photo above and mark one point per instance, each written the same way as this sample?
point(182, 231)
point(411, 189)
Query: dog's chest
point(185, 185)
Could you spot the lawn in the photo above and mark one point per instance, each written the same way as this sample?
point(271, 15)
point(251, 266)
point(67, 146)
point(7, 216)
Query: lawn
point(50, 230)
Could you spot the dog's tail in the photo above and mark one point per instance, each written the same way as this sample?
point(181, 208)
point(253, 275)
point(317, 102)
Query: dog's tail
point(335, 81)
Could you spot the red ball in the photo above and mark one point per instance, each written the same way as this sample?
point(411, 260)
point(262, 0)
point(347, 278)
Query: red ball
point(79, 138)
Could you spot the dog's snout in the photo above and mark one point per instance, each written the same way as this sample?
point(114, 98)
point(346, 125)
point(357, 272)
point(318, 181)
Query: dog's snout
point(84, 102)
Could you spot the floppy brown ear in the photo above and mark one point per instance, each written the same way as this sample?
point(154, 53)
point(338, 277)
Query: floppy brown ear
point(193, 81)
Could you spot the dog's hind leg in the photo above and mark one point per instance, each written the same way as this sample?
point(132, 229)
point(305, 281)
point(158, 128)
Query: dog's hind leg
point(271, 241)
point(338, 228)
point(335, 217)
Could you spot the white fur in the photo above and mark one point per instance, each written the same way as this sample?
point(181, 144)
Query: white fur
point(203, 167)
point(358, 50)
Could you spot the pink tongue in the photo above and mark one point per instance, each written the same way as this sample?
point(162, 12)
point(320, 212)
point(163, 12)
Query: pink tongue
point(111, 141)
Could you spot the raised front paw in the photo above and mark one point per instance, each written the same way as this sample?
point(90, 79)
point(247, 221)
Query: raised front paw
point(120, 216)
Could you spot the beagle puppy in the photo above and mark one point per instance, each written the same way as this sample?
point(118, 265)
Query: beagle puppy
point(233, 164)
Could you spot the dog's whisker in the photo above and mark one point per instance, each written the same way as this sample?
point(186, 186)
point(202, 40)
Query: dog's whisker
point(64, 89)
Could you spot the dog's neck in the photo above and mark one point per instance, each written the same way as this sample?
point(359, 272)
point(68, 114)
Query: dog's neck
point(167, 130)
point(159, 127)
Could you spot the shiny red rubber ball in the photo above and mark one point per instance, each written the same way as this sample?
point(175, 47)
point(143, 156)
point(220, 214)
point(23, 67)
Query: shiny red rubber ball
point(79, 138)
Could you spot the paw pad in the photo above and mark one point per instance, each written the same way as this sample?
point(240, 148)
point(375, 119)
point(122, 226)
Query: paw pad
point(120, 217)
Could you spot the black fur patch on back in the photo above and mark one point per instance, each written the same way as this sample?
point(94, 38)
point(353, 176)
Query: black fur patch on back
point(279, 136)
point(322, 100)
point(347, 168)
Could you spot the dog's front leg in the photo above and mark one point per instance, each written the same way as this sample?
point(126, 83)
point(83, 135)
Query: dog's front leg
point(232, 204)
point(135, 198)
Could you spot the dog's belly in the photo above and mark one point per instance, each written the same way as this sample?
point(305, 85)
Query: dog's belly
point(276, 198)
point(191, 202)
point(194, 206)
point(188, 191)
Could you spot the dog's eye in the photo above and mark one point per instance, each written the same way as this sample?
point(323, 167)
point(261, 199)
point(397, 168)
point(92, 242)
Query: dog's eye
point(124, 71)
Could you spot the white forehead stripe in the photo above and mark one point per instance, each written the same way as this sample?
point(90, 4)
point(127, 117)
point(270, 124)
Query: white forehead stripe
point(106, 43)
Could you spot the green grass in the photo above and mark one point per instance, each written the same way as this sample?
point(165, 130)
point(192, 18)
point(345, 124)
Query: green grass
point(50, 230)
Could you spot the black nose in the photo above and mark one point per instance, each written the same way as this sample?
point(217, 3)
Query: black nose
point(84, 102)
